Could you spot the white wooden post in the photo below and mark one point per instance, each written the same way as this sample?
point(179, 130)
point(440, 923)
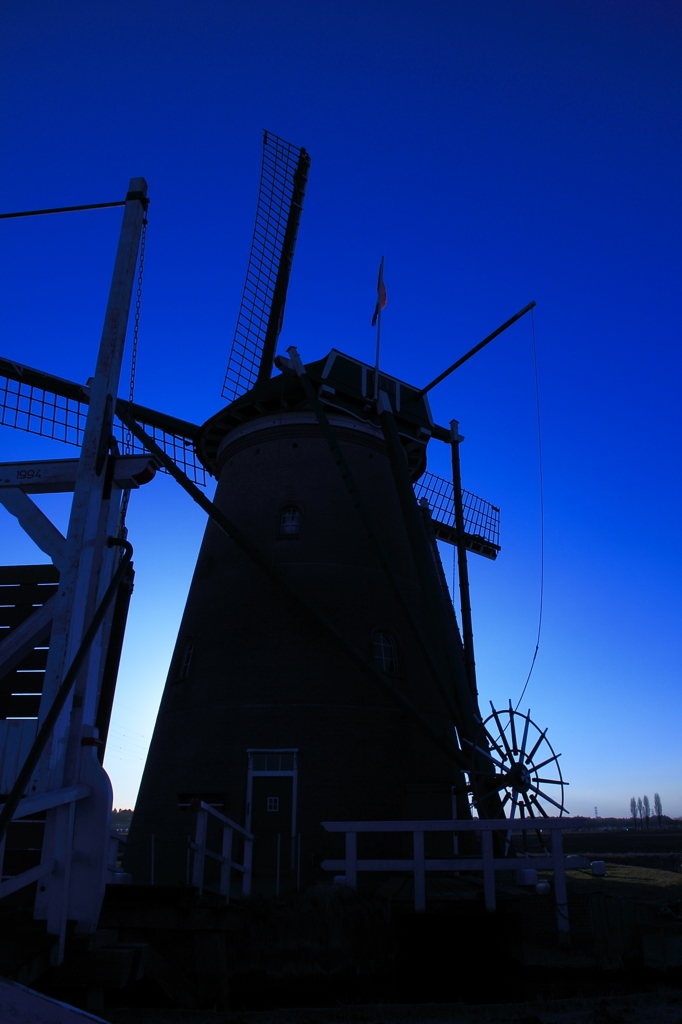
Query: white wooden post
point(419, 871)
point(352, 859)
point(60, 849)
point(85, 541)
point(560, 886)
point(84, 570)
point(200, 849)
point(488, 869)
point(226, 866)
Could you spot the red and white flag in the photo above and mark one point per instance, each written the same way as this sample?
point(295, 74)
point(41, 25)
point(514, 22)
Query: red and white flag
point(381, 293)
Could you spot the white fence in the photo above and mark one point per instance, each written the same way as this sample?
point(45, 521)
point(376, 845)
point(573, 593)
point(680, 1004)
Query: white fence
point(418, 864)
point(224, 858)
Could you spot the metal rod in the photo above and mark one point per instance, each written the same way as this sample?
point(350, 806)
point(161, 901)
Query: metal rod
point(62, 209)
point(248, 867)
point(352, 859)
point(419, 871)
point(298, 863)
point(560, 897)
point(462, 565)
point(226, 866)
point(64, 690)
point(475, 349)
point(199, 847)
point(488, 870)
point(378, 345)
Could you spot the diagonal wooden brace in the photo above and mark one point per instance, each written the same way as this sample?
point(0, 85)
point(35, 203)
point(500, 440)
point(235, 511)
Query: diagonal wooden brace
point(35, 523)
point(26, 636)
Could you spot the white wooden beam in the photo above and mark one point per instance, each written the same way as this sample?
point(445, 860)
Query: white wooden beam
point(55, 798)
point(85, 576)
point(35, 523)
point(24, 637)
point(54, 476)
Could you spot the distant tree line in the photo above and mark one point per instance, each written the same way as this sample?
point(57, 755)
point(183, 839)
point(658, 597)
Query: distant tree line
point(641, 808)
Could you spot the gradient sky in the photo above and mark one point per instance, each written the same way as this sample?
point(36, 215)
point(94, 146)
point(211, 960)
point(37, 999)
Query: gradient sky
point(494, 151)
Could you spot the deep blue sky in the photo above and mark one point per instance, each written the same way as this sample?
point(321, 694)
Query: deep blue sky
point(494, 152)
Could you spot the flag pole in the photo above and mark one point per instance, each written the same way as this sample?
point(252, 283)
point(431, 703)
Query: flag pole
point(378, 348)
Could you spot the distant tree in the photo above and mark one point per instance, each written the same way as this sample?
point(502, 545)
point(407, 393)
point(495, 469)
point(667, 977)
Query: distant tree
point(658, 808)
point(633, 809)
point(647, 809)
point(640, 810)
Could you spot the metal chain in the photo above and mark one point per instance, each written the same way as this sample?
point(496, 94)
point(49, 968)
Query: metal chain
point(136, 331)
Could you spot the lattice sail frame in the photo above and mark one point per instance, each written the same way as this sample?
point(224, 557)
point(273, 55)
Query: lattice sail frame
point(36, 410)
point(280, 198)
point(481, 519)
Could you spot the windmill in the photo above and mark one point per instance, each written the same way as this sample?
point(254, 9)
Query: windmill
point(319, 671)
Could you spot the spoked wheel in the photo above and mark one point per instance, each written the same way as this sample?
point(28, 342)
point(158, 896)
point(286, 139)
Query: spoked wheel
point(513, 757)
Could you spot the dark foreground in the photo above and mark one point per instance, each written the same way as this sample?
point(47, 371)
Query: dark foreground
point(662, 1007)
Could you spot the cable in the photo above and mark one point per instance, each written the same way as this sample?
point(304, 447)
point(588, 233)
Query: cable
point(542, 512)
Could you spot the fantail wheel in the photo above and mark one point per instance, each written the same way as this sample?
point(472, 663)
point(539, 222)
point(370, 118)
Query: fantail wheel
point(508, 756)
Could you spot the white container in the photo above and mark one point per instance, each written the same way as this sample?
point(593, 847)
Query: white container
point(526, 876)
point(542, 888)
point(598, 868)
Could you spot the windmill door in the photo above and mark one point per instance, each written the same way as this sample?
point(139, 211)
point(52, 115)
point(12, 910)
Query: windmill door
point(272, 820)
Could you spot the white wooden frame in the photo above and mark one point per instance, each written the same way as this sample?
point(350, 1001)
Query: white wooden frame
point(489, 864)
point(227, 864)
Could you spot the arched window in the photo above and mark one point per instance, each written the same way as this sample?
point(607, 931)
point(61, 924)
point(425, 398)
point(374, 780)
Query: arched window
point(290, 521)
point(186, 660)
point(383, 649)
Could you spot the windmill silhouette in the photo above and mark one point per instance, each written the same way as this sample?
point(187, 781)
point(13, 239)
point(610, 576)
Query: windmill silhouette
point(319, 672)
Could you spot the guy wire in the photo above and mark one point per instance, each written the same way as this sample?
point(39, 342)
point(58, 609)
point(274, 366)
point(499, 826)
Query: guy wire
point(542, 512)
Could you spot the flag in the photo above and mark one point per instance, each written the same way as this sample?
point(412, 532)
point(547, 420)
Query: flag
point(381, 293)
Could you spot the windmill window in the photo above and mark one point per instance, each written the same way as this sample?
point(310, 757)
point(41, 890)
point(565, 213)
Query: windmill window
point(187, 652)
point(290, 521)
point(383, 649)
point(273, 803)
point(272, 760)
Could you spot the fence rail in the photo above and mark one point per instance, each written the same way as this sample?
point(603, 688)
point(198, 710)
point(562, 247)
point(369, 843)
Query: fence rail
point(487, 862)
point(224, 858)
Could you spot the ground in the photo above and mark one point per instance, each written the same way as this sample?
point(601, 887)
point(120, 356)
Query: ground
point(630, 883)
point(664, 1007)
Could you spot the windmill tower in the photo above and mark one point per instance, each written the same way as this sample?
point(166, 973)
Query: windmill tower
point(319, 671)
point(333, 686)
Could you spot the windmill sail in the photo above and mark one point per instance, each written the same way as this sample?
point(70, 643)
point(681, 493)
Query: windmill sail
point(284, 175)
point(40, 403)
point(481, 519)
